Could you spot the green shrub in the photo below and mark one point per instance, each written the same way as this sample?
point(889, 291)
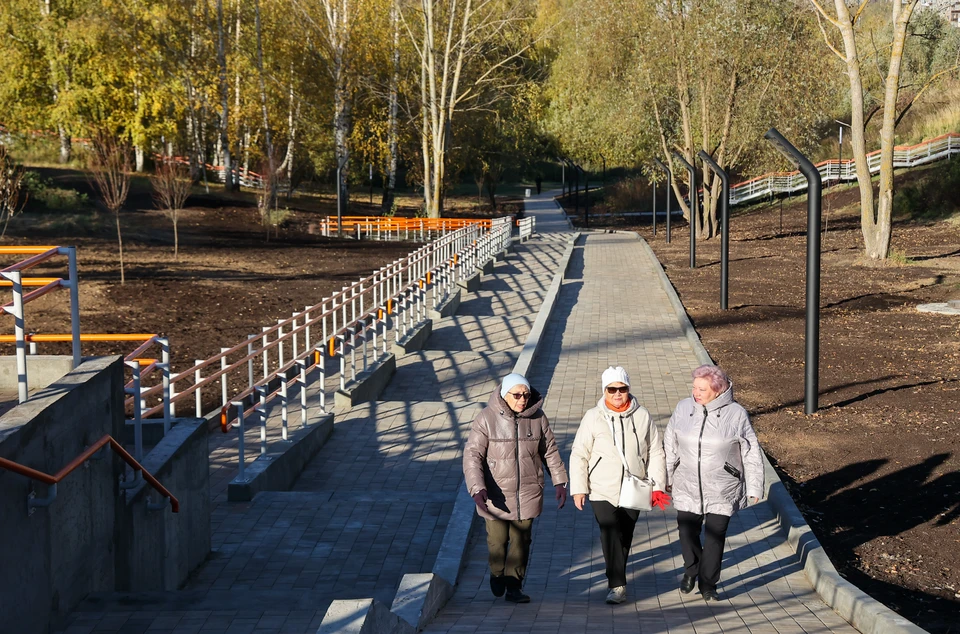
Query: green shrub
point(42, 192)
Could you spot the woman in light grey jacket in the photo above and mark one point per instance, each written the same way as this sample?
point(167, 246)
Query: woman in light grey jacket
point(714, 467)
point(617, 424)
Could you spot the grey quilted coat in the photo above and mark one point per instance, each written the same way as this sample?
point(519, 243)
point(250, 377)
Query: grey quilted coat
point(713, 457)
point(505, 454)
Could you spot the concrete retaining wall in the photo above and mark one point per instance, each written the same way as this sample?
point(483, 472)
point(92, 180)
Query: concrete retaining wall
point(42, 370)
point(56, 555)
point(156, 548)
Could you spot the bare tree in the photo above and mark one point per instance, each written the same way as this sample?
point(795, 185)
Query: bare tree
point(110, 174)
point(11, 183)
point(171, 188)
point(875, 213)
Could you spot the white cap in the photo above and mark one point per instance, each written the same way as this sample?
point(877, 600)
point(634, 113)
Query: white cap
point(511, 381)
point(614, 375)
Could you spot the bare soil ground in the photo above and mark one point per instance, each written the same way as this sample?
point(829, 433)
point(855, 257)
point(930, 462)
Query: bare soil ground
point(876, 471)
point(230, 279)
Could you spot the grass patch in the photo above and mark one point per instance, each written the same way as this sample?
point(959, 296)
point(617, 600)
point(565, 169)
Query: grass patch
point(934, 197)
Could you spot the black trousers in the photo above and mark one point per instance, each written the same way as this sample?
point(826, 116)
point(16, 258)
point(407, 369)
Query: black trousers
point(702, 562)
point(616, 535)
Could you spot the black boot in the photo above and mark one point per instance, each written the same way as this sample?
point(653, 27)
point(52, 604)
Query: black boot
point(514, 592)
point(497, 585)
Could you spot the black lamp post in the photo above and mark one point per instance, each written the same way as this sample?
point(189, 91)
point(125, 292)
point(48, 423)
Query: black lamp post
point(812, 359)
point(653, 213)
point(576, 189)
point(666, 170)
point(724, 224)
point(341, 203)
point(693, 207)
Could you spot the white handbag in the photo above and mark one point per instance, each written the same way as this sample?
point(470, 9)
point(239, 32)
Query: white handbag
point(635, 493)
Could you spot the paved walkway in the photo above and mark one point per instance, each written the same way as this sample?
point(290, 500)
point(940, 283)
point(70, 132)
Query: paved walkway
point(612, 310)
point(374, 503)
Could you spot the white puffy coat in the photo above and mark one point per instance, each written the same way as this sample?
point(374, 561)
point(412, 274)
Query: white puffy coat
point(713, 457)
point(595, 466)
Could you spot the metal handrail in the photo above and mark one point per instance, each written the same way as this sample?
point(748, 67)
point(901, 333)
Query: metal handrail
point(13, 277)
point(53, 480)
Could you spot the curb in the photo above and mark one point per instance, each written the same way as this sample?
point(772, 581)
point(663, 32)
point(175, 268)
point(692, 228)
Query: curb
point(862, 611)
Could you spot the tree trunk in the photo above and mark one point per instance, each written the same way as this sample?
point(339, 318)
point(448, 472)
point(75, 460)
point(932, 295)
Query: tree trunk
point(66, 149)
point(877, 232)
point(392, 139)
point(138, 155)
point(224, 103)
point(263, 106)
point(116, 215)
point(857, 125)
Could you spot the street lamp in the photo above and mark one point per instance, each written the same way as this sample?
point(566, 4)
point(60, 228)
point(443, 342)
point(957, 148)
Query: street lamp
point(840, 149)
point(724, 224)
point(340, 202)
point(693, 207)
point(812, 336)
point(666, 170)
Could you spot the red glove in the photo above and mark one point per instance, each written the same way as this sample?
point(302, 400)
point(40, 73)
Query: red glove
point(661, 499)
point(480, 499)
point(561, 495)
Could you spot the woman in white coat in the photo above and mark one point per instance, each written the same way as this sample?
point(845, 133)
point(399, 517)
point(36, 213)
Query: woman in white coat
point(617, 425)
point(715, 468)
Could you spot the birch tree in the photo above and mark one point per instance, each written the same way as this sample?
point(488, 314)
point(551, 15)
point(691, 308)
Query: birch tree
point(465, 49)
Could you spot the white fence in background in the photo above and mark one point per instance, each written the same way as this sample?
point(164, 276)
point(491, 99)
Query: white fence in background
point(936, 149)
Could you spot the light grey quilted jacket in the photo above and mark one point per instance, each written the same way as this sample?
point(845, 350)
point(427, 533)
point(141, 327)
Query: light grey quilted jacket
point(713, 457)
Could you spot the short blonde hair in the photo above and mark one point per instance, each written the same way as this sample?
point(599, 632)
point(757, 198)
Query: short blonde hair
point(719, 381)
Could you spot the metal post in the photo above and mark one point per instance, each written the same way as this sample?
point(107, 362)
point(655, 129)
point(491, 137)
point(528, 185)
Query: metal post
point(74, 303)
point(262, 410)
point(724, 224)
point(812, 357)
point(576, 191)
point(16, 278)
point(137, 418)
point(666, 170)
point(586, 199)
point(302, 371)
point(693, 208)
point(653, 214)
point(340, 202)
point(239, 425)
point(165, 361)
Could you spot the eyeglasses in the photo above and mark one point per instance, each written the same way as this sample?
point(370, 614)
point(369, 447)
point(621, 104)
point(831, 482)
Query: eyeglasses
point(624, 389)
point(519, 395)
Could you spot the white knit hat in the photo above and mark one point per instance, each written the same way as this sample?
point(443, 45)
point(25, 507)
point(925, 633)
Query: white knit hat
point(614, 375)
point(511, 381)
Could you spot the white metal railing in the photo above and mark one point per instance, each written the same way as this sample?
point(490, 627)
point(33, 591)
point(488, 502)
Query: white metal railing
point(788, 182)
point(13, 276)
point(344, 335)
point(528, 226)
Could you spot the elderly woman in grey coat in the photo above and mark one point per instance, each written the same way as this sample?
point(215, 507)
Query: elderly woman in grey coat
point(714, 467)
point(509, 442)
